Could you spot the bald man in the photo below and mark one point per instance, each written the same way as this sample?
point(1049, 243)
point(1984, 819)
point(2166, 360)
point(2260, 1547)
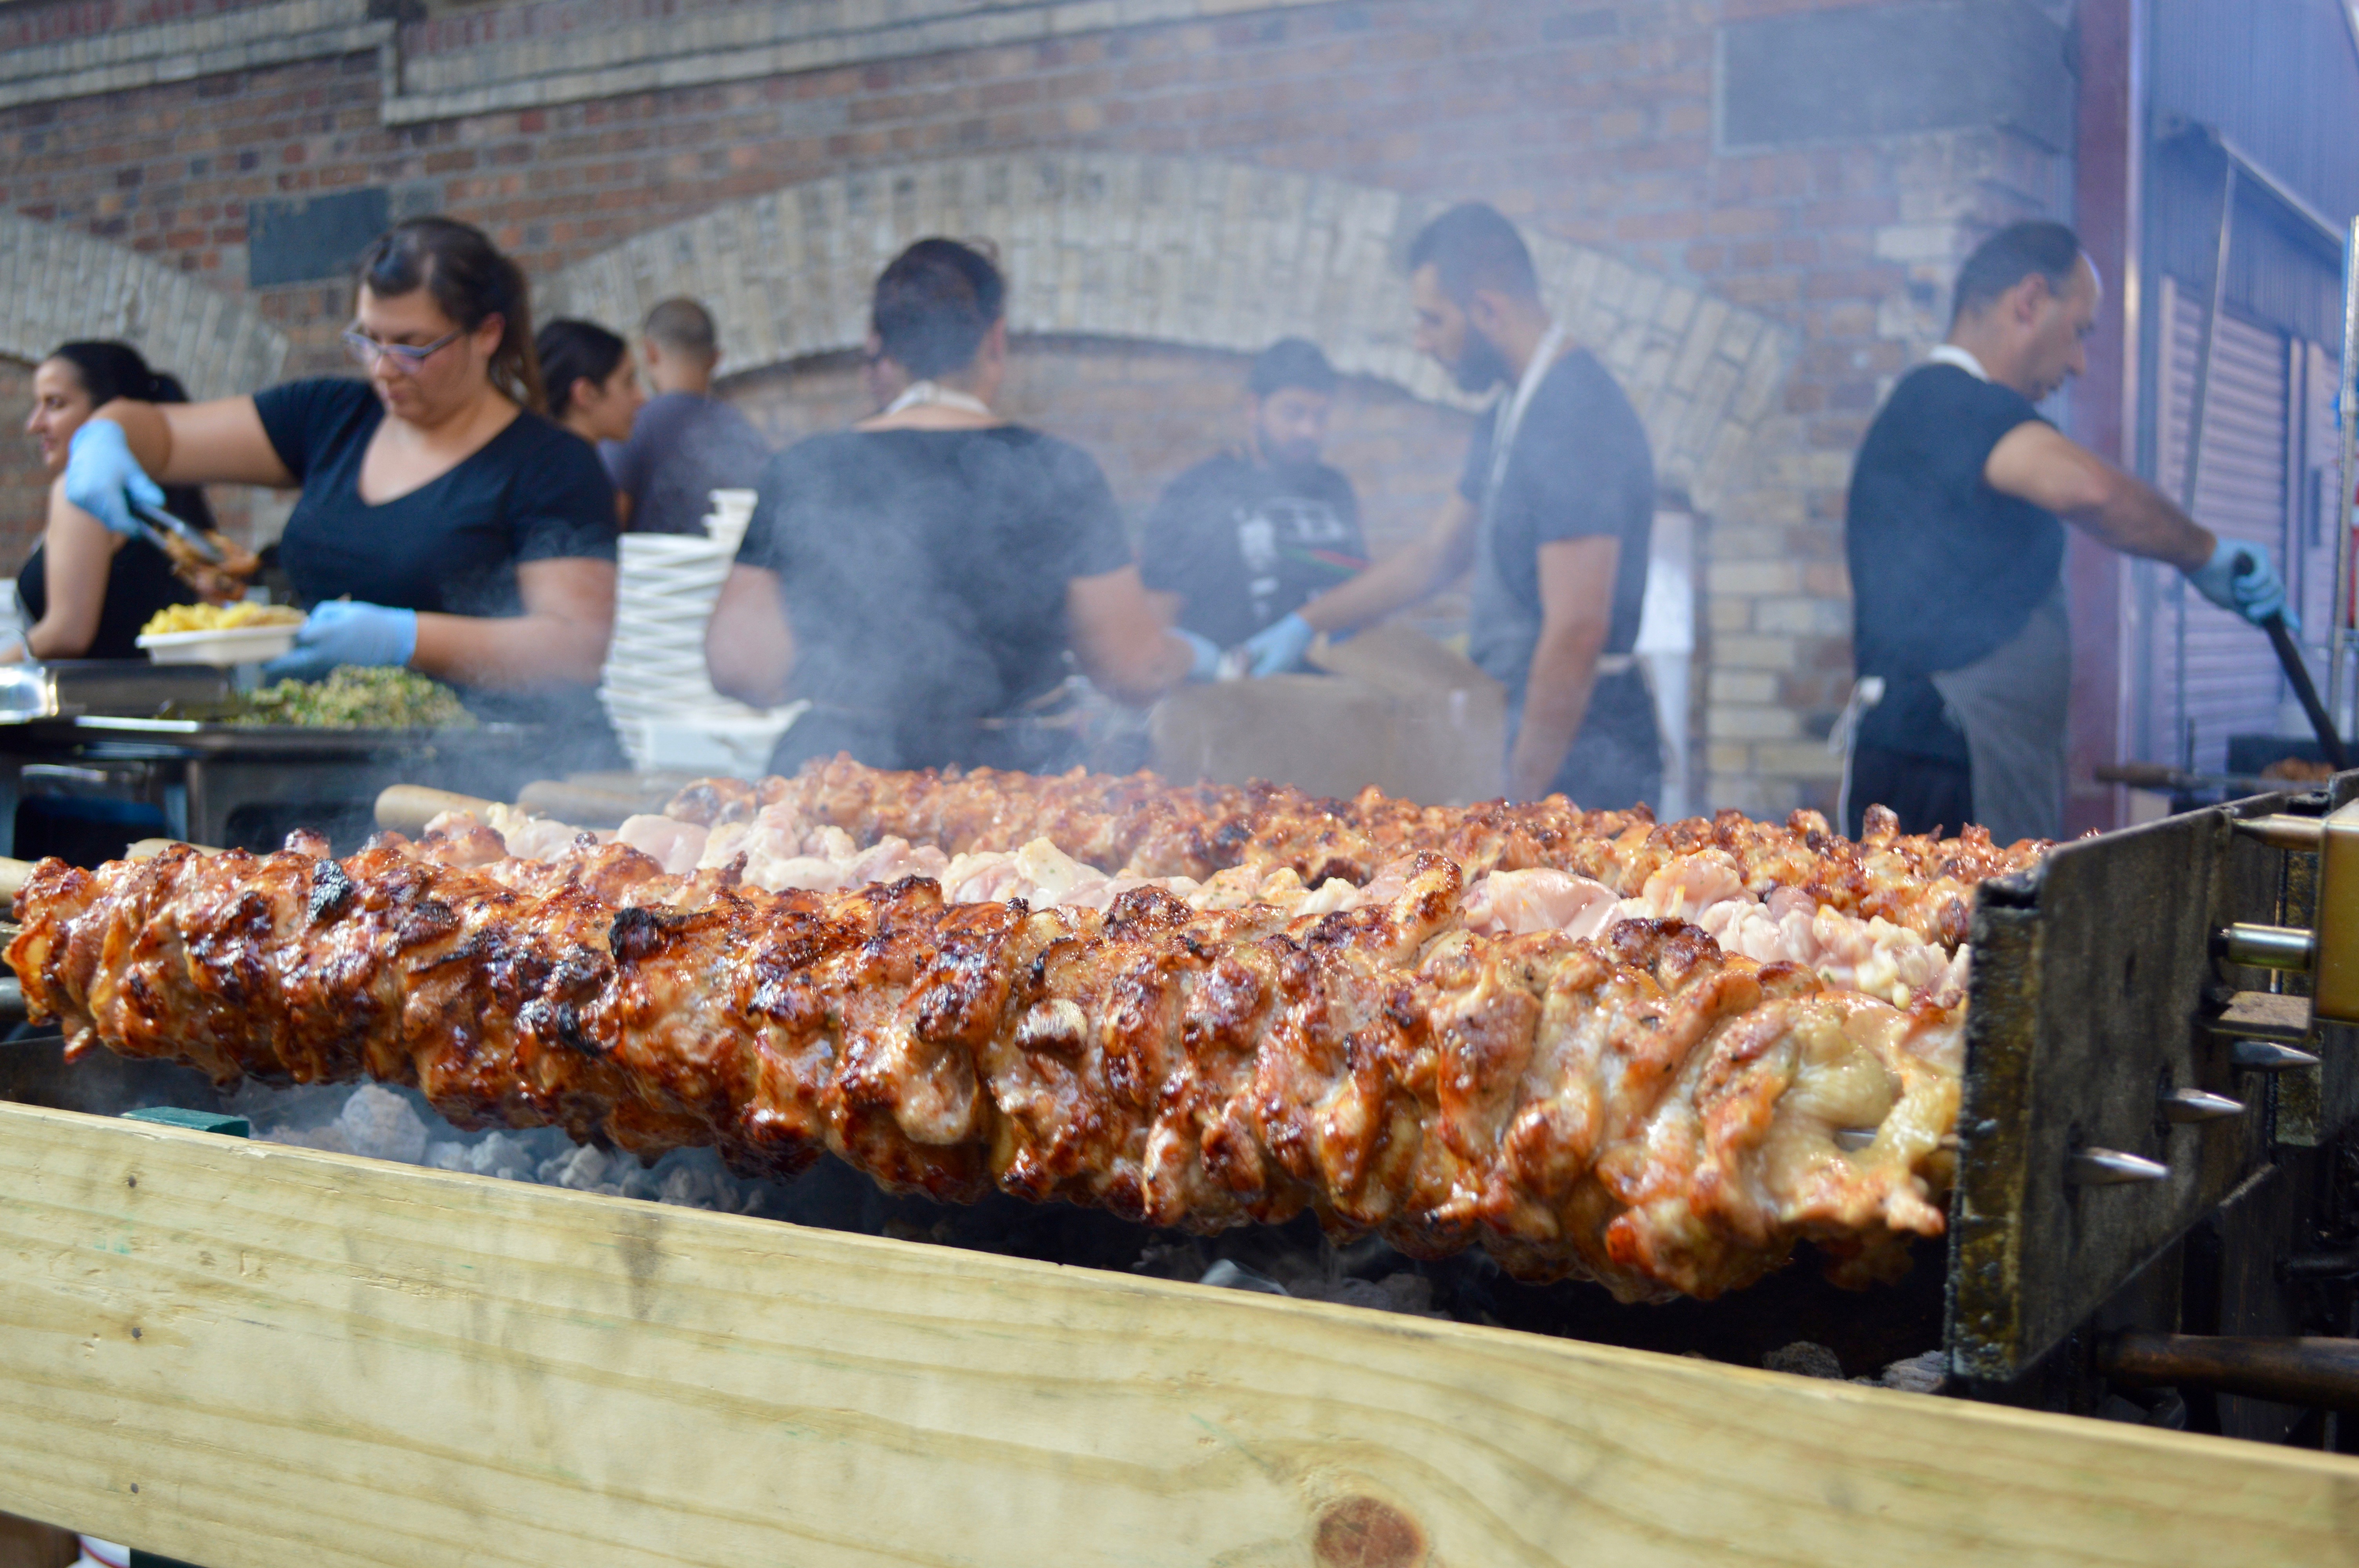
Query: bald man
point(1955, 538)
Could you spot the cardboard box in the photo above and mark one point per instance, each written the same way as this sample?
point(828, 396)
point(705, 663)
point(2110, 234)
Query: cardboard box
point(1398, 710)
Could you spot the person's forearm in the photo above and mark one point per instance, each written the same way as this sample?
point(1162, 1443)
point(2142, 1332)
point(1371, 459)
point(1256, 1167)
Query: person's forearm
point(749, 649)
point(2138, 520)
point(1391, 583)
point(509, 653)
point(48, 639)
point(1556, 700)
point(1165, 663)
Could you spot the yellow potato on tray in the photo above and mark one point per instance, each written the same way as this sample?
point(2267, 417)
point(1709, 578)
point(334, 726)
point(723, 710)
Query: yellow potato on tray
point(219, 618)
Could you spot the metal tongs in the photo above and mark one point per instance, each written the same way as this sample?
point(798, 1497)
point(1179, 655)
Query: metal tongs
point(164, 531)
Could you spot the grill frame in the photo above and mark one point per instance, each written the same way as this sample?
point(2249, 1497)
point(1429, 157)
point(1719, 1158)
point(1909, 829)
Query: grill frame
point(2097, 987)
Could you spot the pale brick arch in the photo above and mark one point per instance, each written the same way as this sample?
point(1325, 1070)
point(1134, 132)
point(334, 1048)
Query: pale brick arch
point(57, 285)
point(1190, 251)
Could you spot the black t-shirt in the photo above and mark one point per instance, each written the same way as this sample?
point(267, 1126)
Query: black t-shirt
point(1580, 468)
point(924, 573)
point(533, 493)
point(1245, 544)
point(1943, 568)
point(139, 582)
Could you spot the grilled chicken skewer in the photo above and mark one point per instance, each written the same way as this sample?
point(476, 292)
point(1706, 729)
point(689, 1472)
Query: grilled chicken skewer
point(1141, 826)
point(1640, 1108)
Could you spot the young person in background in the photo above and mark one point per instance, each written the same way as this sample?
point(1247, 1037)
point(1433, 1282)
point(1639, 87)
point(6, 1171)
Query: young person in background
point(87, 589)
point(1243, 540)
point(686, 443)
point(593, 384)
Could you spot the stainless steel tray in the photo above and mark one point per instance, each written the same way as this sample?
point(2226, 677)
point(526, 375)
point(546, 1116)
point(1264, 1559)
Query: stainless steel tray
point(213, 739)
point(67, 687)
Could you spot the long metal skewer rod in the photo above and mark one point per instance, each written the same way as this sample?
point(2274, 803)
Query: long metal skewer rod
point(2347, 473)
point(2197, 407)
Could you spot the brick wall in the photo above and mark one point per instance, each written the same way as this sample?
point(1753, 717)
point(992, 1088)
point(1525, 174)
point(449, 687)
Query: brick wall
point(22, 492)
point(1591, 123)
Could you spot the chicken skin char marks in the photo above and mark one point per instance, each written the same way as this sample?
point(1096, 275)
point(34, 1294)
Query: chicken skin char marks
point(1142, 826)
point(1639, 1109)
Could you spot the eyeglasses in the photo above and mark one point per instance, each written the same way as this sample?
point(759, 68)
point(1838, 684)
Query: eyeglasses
point(366, 351)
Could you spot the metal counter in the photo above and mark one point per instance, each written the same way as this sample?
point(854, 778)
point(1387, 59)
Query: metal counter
point(245, 786)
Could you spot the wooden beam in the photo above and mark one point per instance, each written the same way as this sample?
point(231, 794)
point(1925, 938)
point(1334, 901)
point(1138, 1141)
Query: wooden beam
point(251, 1355)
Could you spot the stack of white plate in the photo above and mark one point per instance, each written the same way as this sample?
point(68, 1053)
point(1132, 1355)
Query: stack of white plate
point(731, 510)
point(655, 687)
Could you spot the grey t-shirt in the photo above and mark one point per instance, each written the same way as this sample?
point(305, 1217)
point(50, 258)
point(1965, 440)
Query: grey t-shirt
point(683, 446)
point(1580, 466)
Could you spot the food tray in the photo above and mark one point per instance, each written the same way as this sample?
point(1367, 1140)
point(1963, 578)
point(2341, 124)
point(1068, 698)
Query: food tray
point(212, 738)
point(237, 645)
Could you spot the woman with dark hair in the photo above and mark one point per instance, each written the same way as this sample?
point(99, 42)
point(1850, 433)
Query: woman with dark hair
point(923, 576)
point(592, 381)
point(444, 524)
point(593, 386)
point(85, 591)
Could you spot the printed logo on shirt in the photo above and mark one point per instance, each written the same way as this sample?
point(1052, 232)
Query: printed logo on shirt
point(1280, 531)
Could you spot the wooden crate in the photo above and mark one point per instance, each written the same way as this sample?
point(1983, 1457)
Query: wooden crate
point(245, 1355)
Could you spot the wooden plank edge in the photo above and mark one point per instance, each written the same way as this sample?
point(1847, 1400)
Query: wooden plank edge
point(252, 1354)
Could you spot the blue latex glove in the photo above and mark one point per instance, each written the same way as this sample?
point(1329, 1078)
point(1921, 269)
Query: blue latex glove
point(1278, 646)
point(1208, 655)
point(100, 471)
point(2239, 578)
point(343, 632)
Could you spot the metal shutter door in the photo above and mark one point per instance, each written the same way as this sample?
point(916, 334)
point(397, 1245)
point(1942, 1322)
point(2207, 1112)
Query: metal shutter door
point(2231, 680)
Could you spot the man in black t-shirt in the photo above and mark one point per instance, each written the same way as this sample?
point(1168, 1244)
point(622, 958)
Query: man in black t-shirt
point(1956, 552)
point(1555, 513)
point(1245, 538)
point(923, 577)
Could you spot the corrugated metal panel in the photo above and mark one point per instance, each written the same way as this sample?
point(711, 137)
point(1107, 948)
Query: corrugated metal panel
point(2280, 77)
point(2231, 680)
point(2279, 272)
point(2315, 469)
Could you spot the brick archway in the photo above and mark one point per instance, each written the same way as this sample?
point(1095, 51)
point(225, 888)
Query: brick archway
point(1190, 252)
point(57, 285)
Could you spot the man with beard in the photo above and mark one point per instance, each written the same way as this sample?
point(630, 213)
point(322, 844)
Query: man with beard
point(1554, 512)
point(1243, 540)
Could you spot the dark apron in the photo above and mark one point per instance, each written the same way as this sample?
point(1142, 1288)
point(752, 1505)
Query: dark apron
point(2012, 703)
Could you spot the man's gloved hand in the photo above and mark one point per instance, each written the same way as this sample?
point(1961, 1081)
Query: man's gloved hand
point(343, 632)
point(101, 471)
point(2239, 578)
point(1277, 647)
point(1208, 655)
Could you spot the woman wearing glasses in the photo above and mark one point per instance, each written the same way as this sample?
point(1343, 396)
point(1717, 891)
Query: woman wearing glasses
point(443, 525)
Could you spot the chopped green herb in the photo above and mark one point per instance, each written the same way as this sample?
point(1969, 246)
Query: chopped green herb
point(354, 696)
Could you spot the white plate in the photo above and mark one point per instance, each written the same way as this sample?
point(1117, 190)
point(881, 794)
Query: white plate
point(682, 637)
point(238, 646)
point(668, 607)
point(641, 579)
point(672, 550)
point(673, 594)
